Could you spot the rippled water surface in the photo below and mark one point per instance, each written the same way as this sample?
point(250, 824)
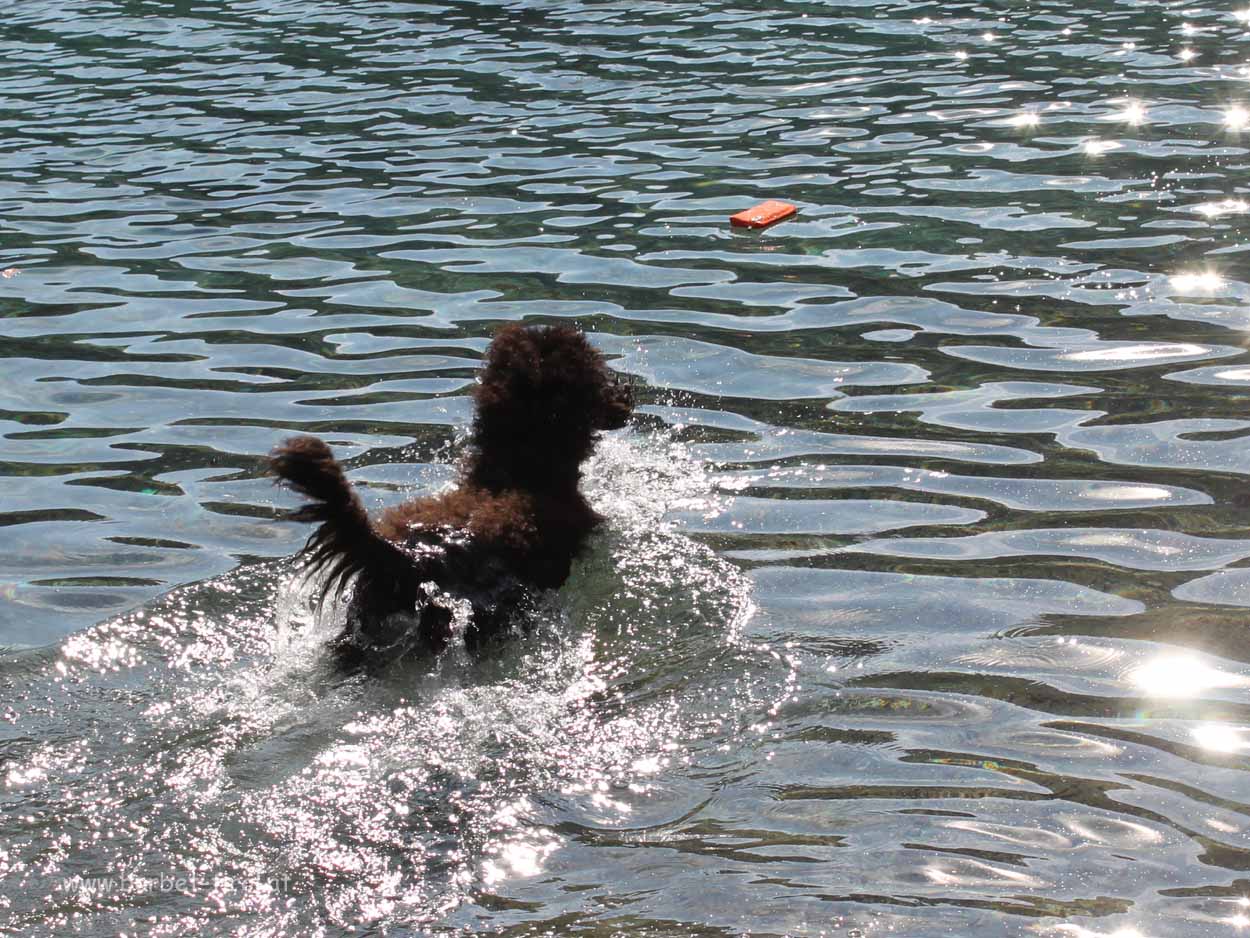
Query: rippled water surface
point(922, 605)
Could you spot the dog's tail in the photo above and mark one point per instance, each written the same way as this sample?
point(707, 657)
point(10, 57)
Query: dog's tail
point(344, 543)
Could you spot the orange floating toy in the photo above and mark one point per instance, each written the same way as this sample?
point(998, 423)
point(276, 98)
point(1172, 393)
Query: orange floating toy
point(763, 215)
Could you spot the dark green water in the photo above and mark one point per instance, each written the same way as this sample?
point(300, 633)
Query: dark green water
point(922, 609)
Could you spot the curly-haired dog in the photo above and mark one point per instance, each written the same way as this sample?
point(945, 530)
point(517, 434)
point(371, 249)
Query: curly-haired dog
point(512, 525)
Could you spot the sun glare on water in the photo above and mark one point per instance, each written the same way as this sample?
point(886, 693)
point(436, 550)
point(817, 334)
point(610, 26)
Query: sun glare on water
point(1133, 112)
point(1201, 282)
point(1181, 676)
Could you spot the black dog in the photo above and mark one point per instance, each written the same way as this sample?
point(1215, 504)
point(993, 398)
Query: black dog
point(512, 525)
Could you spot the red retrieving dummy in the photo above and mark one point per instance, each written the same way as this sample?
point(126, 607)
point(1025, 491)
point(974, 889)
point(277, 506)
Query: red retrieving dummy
point(763, 215)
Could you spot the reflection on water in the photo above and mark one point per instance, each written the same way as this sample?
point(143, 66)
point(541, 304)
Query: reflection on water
point(1219, 737)
point(922, 605)
point(1183, 676)
point(1205, 282)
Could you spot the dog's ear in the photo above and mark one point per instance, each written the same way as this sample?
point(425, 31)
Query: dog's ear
point(512, 372)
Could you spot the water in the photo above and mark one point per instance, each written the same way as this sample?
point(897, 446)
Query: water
point(922, 606)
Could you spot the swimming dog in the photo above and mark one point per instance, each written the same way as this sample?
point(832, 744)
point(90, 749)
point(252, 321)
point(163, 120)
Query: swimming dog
point(510, 527)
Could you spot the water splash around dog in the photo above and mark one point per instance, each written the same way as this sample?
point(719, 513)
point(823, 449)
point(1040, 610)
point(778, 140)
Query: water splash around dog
point(204, 749)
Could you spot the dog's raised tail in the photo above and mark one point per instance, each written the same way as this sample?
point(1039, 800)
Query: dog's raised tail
point(344, 543)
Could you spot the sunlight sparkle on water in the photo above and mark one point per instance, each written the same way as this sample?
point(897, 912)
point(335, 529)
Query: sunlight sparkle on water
point(1099, 147)
point(1114, 493)
point(1226, 207)
point(1237, 118)
point(517, 859)
point(1205, 282)
point(1181, 676)
point(1219, 737)
point(1025, 119)
point(109, 654)
point(1186, 54)
point(1133, 112)
point(1141, 352)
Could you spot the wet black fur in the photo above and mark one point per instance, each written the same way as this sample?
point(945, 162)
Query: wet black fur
point(513, 524)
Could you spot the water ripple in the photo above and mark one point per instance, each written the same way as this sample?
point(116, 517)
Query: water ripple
point(926, 554)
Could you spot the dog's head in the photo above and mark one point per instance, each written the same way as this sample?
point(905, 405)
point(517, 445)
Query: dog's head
point(544, 394)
